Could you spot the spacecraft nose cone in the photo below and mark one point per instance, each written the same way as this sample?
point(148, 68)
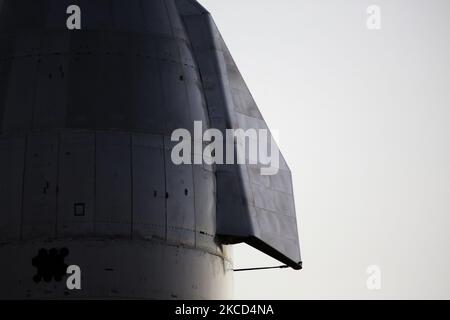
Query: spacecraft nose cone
point(129, 67)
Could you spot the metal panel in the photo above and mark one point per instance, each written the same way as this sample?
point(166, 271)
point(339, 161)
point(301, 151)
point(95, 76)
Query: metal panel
point(7, 46)
point(82, 95)
point(97, 14)
point(20, 97)
point(109, 84)
point(56, 17)
point(257, 210)
point(189, 7)
point(33, 18)
point(188, 60)
point(39, 206)
point(143, 45)
point(167, 50)
point(76, 199)
point(12, 152)
point(196, 101)
point(51, 92)
point(193, 84)
point(5, 68)
point(146, 106)
point(205, 206)
point(55, 44)
point(156, 17)
point(271, 200)
point(281, 181)
point(114, 269)
point(180, 200)
point(233, 220)
point(175, 20)
point(128, 15)
point(114, 91)
point(149, 186)
point(1, 4)
point(175, 97)
point(113, 184)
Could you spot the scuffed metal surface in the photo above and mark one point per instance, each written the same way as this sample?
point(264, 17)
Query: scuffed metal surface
point(120, 269)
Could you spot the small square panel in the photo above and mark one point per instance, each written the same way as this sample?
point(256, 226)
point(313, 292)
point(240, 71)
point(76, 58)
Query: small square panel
point(79, 209)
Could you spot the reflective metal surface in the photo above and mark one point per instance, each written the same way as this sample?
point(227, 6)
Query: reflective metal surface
point(85, 123)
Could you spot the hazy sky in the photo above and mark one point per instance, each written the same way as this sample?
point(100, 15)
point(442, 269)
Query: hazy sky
point(364, 122)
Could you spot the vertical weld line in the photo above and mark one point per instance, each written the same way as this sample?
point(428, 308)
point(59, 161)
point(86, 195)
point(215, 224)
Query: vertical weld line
point(165, 186)
point(36, 77)
point(25, 154)
point(182, 69)
point(208, 103)
point(199, 72)
point(144, 16)
point(207, 108)
point(94, 216)
point(131, 186)
point(111, 8)
point(163, 100)
point(58, 148)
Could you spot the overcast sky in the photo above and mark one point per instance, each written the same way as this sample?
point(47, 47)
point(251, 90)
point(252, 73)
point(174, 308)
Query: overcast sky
point(364, 121)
